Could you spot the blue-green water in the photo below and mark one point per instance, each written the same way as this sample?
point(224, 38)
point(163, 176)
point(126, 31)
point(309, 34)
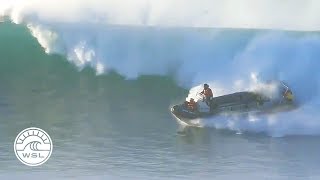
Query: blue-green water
point(111, 127)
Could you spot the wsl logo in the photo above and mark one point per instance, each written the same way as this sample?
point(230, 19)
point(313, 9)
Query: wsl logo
point(33, 146)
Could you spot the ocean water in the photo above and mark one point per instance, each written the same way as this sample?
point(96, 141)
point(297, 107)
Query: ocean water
point(103, 92)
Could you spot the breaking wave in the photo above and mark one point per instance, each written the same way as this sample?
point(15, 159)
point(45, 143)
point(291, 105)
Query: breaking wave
point(152, 39)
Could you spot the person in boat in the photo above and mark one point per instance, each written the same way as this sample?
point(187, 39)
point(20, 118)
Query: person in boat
point(192, 105)
point(207, 92)
point(186, 105)
point(288, 95)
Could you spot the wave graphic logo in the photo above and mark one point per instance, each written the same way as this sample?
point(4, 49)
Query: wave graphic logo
point(33, 146)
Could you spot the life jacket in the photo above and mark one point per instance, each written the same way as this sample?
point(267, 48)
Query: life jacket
point(288, 95)
point(207, 92)
point(192, 105)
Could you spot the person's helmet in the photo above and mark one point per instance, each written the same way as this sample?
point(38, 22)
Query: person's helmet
point(206, 85)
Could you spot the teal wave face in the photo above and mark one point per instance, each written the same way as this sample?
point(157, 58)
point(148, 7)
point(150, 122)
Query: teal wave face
point(41, 87)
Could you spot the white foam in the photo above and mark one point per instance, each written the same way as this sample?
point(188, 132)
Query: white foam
point(269, 14)
point(302, 121)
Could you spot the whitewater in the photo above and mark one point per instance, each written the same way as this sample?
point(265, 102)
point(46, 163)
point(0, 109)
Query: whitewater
point(199, 45)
